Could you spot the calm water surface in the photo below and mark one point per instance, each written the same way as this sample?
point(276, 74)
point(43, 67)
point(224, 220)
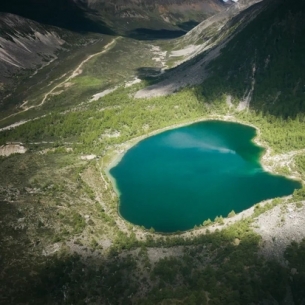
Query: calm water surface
point(179, 178)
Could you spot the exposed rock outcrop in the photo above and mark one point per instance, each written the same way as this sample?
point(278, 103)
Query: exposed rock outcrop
point(24, 44)
point(9, 149)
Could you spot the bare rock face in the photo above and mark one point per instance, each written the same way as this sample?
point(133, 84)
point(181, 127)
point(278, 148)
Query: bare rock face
point(9, 149)
point(25, 44)
point(189, 73)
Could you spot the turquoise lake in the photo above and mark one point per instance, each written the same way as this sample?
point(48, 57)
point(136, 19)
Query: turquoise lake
point(177, 179)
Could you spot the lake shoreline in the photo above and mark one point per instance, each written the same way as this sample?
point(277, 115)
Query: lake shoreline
point(264, 160)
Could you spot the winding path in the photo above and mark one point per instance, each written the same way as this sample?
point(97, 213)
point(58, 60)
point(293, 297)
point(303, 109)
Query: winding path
point(75, 73)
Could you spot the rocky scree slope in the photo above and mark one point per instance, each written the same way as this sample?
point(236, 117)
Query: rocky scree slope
point(120, 17)
point(66, 14)
point(25, 44)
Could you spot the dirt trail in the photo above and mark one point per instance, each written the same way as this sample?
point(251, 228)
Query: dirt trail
point(75, 73)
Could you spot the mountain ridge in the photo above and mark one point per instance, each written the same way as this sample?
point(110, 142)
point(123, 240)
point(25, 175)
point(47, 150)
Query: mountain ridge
point(193, 70)
point(105, 16)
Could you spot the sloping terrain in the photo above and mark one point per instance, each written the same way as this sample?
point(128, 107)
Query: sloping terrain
point(269, 51)
point(263, 61)
point(201, 46)
point(62, 240)
point(132, 15)
point(25, 44)
point(109, 17)
point(66, 14)
point(32, 54)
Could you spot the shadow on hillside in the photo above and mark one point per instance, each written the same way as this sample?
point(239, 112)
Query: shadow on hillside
point(150, 34)
point(227, 267)
point(61, 13)
point(75, 17)
point(264, 56)
point(188, 25)
point(16, 251)
point(150, 75)
point(68, 15)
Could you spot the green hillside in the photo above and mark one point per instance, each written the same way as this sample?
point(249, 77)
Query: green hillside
point(62, 240)
point(270, 50)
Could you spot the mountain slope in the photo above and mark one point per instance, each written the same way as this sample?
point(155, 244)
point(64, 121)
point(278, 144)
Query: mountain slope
point(260, 65)
point(62, 239)
point(268, 53)
point(25, 44)
point(130, 15)
point(202, 45)
point(61, 13)
point(110, 17)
